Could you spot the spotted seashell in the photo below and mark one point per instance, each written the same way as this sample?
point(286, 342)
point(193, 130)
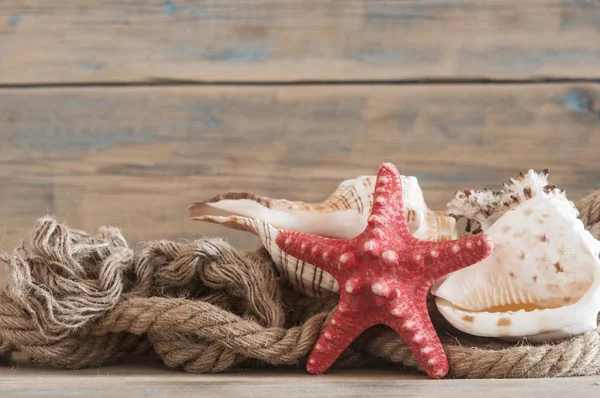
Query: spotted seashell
point(343, 215)
point(541, 282)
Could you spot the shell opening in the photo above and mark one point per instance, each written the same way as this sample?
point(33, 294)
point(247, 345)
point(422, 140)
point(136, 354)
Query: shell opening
point(502, 296)
point(527, 307)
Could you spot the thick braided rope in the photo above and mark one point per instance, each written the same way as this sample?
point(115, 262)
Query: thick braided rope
point(469, 358)
point(589, 207)
point(75, 301)
point(238, 314)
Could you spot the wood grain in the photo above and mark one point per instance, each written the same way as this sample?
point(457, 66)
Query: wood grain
point(90, 41)
point(150, 381)
point(136, 157)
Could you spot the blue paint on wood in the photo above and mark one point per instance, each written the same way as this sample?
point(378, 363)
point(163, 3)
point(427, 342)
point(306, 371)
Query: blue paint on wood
point(393, 56)
point(91, 67)
point(525, 60)
point(577, 101)
point(88, 63)
point(241, 54)
point(202, 118)
point(208, 123)
point(585, 14)
point(54, 141)
point(172, 9)
point(14, 20)
point(398, 12)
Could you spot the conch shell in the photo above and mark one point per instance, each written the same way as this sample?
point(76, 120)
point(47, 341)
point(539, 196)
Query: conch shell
point(343, 215)
point(541, 282)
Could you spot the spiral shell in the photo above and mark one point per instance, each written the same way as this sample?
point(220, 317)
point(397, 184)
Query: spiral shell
point(342, 215)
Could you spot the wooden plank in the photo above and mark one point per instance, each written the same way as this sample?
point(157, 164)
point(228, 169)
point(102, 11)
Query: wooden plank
point(135, 157)
point(87, 41)
point(157, 381)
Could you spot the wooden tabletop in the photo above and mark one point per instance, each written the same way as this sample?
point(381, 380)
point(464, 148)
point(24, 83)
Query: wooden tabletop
point(124, 112)
point(155, 380)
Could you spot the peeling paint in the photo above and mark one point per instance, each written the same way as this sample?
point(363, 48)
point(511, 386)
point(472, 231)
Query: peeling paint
point(525, 60)
point(91, 67)
point(577, 101)
point(172, 9)
point(393, 56)
point(234, 54)
point(62, 141)
point(14, 20)
point(239, 54)
point(408, 11)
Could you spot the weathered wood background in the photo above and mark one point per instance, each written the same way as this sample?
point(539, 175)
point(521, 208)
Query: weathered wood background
point(124, 112)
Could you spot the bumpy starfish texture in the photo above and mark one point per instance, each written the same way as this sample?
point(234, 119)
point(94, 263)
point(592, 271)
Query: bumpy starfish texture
point(384, 276)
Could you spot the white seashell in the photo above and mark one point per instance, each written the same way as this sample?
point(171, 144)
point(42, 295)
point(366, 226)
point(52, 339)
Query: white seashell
point(343, 215)
point(542, 281)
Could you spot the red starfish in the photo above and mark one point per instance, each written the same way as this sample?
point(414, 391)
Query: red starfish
point(384, 276)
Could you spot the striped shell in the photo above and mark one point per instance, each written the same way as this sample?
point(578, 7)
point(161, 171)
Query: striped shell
point(343, 215)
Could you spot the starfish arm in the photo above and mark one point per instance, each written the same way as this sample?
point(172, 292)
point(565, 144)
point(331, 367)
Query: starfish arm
point(314, 249)
point(453, 255)
point(339, 333)
point(414, 326)
point(388, 203)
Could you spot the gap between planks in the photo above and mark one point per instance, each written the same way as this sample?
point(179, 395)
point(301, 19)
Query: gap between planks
point(160, 82)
